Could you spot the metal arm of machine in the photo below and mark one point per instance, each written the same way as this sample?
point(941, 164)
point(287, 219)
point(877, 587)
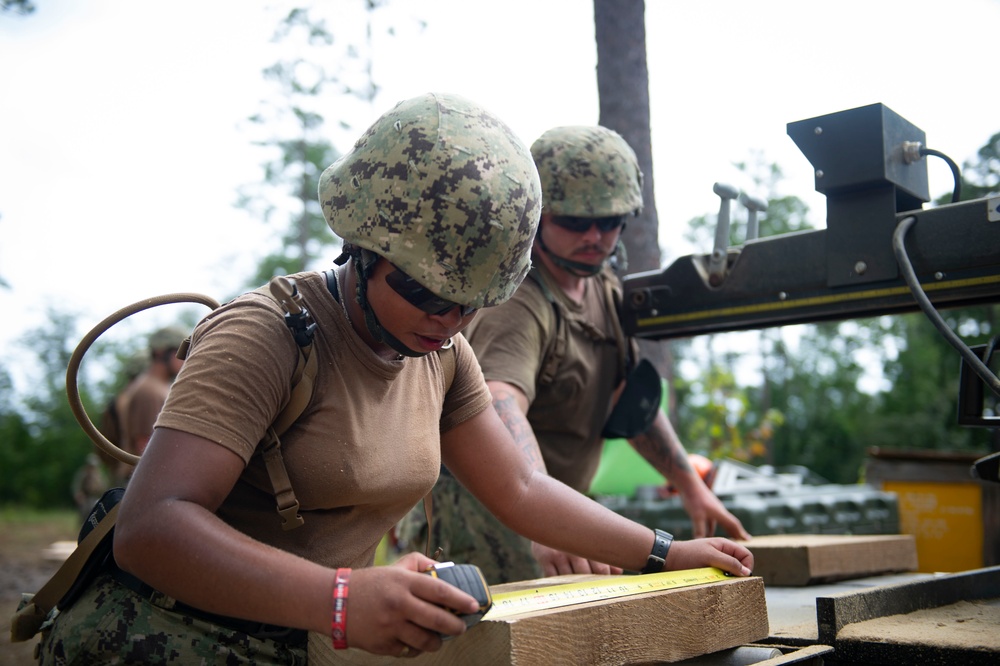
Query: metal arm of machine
point(786, 279)
point(864, 165)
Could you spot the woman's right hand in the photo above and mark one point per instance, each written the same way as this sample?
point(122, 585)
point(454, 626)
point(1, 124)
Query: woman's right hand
point(716, 552)
point(398, 610)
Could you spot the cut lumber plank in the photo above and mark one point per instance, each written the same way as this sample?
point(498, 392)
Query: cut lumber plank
point(949, 619)
point(805, 559)
point(834, 613)
point(960, 633)
point(665, 626)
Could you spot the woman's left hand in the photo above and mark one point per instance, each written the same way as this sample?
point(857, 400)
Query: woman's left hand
point(712, 552)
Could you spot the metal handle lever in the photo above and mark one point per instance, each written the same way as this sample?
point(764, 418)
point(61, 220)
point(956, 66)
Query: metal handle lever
point(753, 206)
point(717, 262)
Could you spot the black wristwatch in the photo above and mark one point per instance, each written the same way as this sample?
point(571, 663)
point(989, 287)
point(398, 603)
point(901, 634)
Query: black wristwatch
point(658, 557)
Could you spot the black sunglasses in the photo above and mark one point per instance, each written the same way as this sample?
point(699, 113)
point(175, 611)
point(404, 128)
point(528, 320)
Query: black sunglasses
point(581, 224)
point(421, 297)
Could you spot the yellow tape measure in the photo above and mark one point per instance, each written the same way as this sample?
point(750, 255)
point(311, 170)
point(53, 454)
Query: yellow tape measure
point(506, 604)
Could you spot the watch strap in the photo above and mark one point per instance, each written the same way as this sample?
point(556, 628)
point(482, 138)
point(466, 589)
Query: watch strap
point(658, 556)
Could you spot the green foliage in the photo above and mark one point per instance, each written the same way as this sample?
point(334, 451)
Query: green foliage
point(295, 137)
point(299, 152)
point(17, 517)
point(720, 420)
point(982, 177)
point(826, 415)
point(19, 7)
point(920, 411)
point(41, 443)
point(14, 438)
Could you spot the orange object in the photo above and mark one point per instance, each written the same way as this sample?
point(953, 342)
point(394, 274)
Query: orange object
point(702, 466)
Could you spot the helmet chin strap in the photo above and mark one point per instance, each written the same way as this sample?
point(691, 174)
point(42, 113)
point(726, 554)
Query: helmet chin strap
point(364, 261)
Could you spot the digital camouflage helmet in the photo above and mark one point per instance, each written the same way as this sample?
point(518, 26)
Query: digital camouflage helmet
point(445, 191)
point(587, 171)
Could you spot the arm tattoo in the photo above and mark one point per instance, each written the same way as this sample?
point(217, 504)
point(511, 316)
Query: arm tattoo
point(519, 428)
point(664, 453)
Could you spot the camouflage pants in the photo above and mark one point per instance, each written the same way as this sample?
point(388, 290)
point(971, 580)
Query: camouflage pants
point(111, 624)
point(468, 534)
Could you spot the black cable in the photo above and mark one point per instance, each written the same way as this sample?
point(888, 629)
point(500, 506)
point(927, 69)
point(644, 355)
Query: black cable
point(957, 191)
point(899, 249)
point(990, 348)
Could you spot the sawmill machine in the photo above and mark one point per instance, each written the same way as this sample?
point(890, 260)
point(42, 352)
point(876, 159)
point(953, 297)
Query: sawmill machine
point(881, 253)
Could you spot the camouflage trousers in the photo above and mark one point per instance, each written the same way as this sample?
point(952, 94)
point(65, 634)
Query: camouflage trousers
point(111, 624)
point(468, 533)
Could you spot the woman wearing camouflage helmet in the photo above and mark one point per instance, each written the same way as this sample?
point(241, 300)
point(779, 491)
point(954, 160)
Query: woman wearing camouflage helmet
point(437, 204)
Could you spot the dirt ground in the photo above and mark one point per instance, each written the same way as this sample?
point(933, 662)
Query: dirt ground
point(25, 565)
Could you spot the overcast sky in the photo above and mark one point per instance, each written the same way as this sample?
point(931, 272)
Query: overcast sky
point(122, 133)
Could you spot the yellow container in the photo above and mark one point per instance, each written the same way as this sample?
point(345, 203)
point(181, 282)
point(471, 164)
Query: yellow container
point(946, 521)
point(952, 516)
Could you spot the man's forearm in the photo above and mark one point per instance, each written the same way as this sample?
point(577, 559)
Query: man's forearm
point(517, 424)
point(661, 447)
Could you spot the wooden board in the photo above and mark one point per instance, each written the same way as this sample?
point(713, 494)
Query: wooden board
point(664, 626)
point(805, 559)
point(948, 619)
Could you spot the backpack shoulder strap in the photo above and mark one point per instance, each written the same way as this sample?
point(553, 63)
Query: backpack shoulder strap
point(303, 381)
point(302, 328)
point(282, 289)
point(555, 351)
point(449, 360)
point(613, 303)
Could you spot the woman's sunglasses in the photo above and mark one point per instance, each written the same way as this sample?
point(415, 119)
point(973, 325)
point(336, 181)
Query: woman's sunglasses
point(420, 297)
point(581, 224)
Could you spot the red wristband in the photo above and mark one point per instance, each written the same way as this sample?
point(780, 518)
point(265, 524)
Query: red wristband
point(338, 626)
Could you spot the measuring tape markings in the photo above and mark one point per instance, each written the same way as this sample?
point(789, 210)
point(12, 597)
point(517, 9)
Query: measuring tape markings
point(506, 604)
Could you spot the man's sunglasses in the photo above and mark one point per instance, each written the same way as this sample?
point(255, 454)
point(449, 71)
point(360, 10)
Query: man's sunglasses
point(581, 224)
point(421, 297)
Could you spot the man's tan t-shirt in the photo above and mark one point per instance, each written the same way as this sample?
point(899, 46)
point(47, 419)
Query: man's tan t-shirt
point(141, 403)
point(367, 447)
point(514, 340)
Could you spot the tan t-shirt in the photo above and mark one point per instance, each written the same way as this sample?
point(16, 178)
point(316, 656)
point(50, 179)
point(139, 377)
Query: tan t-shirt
point(514, 340)
point(367, 447)
point(140, 404)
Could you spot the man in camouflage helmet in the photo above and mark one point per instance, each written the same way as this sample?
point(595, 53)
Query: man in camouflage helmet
point(555, 359)
point(138, 404)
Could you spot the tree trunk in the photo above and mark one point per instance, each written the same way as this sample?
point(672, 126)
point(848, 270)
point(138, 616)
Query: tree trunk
point(623, 89)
